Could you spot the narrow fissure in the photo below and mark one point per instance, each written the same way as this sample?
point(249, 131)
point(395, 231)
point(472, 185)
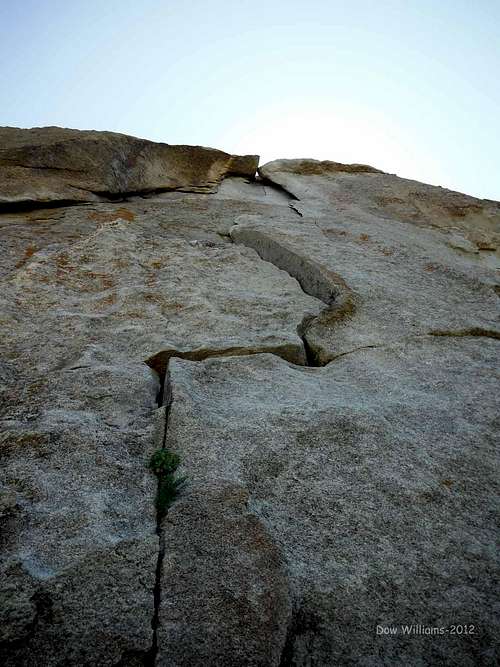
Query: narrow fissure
point(475, 332)
point(153, 651)
point(312, 359)
point(164, 399)
point(301, 630)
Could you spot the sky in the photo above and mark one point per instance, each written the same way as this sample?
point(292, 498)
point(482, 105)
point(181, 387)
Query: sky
point(411, 87)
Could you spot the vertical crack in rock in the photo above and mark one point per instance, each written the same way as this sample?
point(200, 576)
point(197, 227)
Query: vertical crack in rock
point(159, 363)
point(312, 359)
point(301, 628)
point(164, 401)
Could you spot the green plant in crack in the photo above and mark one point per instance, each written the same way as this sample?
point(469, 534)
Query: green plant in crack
point(164, 464)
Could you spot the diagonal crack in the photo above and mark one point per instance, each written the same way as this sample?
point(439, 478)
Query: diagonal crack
point(314, 279)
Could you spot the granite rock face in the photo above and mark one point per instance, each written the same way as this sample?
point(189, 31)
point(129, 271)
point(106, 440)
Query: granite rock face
point(320, 347)
point(378, 495)
point(362, 192)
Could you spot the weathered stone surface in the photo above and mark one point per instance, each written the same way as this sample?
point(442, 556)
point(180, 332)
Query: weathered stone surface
point(180, 294)
point(51, 164)
point(95, 612)
point(362, 193)
point(381, 277)
point(25, 233)
point(121, 285)
point(321, 501)
point(376, 478)
point(78, 545)
point(220, 554)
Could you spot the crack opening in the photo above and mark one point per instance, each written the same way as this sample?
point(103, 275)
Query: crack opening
point(150, 658)
point(164, 399)
point(277, 186)
point(312, 359)
point(159, 361)
point(301, 630)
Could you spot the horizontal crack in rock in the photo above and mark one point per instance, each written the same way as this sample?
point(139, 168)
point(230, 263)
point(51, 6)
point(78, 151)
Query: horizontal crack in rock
point(462, 333)
point(159, 361)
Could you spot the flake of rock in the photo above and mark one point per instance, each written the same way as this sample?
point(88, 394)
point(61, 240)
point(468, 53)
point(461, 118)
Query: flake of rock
point(53, 164)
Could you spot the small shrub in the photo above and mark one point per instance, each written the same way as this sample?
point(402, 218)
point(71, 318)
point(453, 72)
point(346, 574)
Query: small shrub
point(164, 464)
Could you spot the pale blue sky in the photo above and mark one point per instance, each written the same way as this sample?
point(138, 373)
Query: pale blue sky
point(410, 87)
